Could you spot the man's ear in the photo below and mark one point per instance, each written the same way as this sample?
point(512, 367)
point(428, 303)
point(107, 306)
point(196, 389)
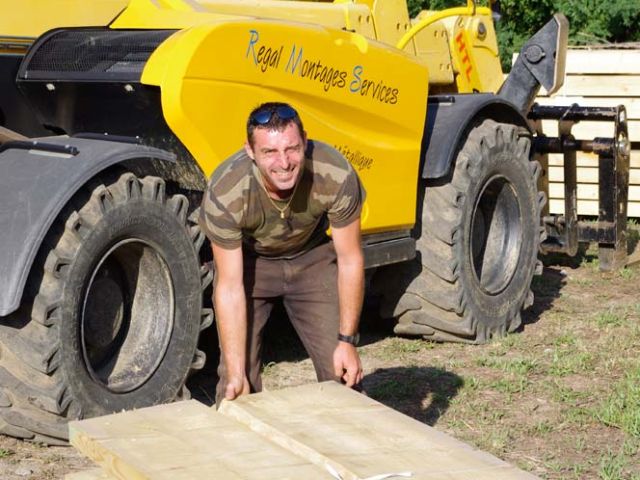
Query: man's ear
point(249, 150)
point(304, 140)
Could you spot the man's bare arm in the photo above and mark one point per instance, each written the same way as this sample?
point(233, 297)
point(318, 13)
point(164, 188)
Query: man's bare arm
point(348, 248)
point(231, 318)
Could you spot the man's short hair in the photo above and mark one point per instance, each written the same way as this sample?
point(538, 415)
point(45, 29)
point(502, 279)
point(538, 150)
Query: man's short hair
point(272, 116)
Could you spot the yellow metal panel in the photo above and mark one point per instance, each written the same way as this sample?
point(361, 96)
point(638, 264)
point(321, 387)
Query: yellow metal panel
point(186, 13)
point(391, 19)
point(150, 14)
point(432, 46)
point(30, 18)
point(212, 75)
point(474, 50)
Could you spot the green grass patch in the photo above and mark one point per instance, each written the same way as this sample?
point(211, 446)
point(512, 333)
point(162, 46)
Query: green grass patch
point(609, 318)
point(567, 362)
point(614, 467)
point(542, 427)
point(510, 385)
point(469, 384)
point(578, 416)
point(4, 452)
point(590, 262)
point(516, 365)
point(567, 339)
point(399, 348)
point(627, 273)
point(567, 395)
point(622, 408)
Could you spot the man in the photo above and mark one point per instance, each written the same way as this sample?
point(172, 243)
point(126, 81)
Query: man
point(266, 211)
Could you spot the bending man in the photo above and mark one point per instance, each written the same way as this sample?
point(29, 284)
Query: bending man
point(266, 211)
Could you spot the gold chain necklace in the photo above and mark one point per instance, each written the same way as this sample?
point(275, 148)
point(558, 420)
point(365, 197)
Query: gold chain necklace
point(293, 194)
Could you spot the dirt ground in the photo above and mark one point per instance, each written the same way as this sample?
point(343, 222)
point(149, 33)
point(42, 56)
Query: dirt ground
point(559, 398)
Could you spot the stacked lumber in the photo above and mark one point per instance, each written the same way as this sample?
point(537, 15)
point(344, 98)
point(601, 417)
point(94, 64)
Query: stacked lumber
point(318, 431)
point(599, 78)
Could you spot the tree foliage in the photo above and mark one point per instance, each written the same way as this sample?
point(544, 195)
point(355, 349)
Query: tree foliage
point(590, 21)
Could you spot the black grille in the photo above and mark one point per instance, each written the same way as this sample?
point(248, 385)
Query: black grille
point(91, 54)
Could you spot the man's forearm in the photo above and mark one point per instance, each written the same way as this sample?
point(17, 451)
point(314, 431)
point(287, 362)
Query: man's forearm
point(231, 319)
point(350, 293)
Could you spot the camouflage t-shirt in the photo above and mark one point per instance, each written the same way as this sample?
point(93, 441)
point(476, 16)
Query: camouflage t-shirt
point(236, 210)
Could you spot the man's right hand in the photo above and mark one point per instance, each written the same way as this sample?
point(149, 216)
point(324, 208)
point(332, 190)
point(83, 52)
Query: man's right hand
point(236, 387)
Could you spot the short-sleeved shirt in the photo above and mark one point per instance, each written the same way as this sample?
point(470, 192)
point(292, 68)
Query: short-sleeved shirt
point(236, 211)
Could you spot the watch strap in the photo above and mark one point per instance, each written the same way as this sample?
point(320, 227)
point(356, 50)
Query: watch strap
point(352, 339)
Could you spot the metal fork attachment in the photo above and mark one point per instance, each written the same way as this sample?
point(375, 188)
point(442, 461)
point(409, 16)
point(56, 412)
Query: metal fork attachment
point(564, 232)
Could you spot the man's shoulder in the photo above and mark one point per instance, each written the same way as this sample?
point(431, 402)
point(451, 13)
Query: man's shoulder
point(329, 162)
point(235, 171)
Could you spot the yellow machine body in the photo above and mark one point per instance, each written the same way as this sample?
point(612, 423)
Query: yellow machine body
point(212, 75)
point(27, 19)
point(338, 63)
point(359, 72)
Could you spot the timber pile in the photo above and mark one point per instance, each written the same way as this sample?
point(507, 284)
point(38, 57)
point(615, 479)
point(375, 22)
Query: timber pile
point(318, 431)
point(607, 78)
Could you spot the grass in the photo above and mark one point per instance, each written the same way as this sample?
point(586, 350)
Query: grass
point(609, 318)
point(566, 395)
point(622, 408)
point(5, 452)
point(510, 385)
point(567, 362)
point(401, 348)
point(615, 466)
point(627, 273)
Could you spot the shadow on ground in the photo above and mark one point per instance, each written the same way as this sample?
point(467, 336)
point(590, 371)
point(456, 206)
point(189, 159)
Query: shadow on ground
point(423, 393)
point(546, 290)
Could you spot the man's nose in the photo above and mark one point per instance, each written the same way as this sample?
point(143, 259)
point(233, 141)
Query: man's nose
point(283, 159)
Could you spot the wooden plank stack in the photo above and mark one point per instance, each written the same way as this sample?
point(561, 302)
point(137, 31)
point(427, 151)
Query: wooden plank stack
point(600, 77)
point(317, 431)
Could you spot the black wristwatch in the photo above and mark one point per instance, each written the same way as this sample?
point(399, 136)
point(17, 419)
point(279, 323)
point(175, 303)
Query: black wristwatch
point(352, 339)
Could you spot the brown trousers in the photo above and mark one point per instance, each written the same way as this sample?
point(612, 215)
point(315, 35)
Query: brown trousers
point(307, 285)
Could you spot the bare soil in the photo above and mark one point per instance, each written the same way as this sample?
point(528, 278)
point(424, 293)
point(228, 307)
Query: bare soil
point(559, 398)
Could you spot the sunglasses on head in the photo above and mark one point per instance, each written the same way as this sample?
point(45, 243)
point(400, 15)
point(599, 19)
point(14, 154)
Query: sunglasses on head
point(262, 117)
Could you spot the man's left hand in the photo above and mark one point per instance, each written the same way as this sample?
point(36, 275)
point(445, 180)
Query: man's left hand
point(346, 364)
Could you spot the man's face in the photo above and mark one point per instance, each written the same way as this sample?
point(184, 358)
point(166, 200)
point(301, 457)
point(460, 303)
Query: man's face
point(279, 156)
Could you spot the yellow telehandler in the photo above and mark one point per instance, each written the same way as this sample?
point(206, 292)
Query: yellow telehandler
point(111, 128)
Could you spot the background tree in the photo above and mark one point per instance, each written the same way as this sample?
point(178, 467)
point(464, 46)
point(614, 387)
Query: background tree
point(591, 21)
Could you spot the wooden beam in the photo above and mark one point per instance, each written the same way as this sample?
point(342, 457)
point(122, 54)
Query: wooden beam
point(316, 431)
point(588, 175)
point(184, 440)
point(601, 85)
point(587, 191)
point(361, 436)
point(600, 61)
point(590, 207)
point(591, 160)
point(603, 61)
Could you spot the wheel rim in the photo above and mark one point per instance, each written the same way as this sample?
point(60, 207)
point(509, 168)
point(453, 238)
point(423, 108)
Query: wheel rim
point(496, 231)
point(127, 316)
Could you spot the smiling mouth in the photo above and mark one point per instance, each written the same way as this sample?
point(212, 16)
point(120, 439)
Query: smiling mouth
point(284, 174)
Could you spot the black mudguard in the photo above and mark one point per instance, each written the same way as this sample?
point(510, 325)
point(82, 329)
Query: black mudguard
point(35, 184)
point(449, 118)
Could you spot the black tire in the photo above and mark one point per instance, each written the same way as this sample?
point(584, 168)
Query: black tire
point(478, 245)
point(115, 319)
